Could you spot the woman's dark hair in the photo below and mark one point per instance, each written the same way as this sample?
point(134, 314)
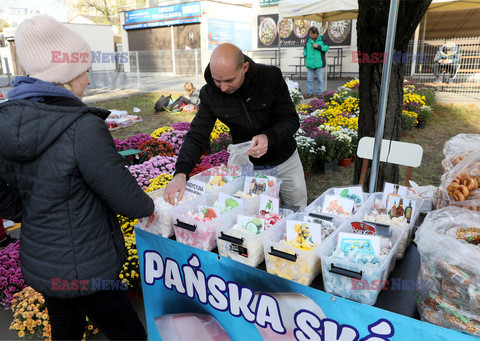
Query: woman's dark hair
point(313, 30)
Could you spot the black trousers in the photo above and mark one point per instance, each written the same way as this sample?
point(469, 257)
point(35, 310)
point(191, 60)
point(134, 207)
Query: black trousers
point(450, 70)
point(111, 311)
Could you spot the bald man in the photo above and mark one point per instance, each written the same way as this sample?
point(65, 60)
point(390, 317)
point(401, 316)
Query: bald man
point(254, 102)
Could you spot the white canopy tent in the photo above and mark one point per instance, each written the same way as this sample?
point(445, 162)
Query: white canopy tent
point(328, 10)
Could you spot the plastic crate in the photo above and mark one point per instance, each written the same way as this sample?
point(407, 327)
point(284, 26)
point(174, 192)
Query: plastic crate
point(163, 225)
point(340, 276)
point(289, 262)
point(193, 232)
point(242, 246)
point(317, 204)
point(369, 206)
point(238, 185)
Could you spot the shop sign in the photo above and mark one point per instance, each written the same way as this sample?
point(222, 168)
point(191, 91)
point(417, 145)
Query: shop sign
point(184, 13)
point(265, 3)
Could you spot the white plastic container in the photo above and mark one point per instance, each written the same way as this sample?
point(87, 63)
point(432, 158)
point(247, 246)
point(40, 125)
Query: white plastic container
point(244, 247)
point(369, 206)
point(316, 206)
point(340, 276)
point(197, 233)
point(238, 185)
point(163, 225)
point(289, 262)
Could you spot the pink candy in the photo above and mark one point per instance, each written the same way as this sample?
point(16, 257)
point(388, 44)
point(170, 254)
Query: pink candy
point(202, 238)
point(270, 219)
point(197, 216)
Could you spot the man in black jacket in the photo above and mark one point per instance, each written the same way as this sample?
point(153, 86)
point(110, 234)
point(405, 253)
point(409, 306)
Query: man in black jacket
point(254, 102)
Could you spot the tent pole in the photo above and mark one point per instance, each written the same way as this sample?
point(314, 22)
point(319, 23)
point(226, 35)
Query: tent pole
point(415, 51)
point(423, 41)
point(392, 25)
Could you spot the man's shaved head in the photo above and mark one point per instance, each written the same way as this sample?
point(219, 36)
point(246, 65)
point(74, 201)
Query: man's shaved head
point(227, 54)
point(228, 67)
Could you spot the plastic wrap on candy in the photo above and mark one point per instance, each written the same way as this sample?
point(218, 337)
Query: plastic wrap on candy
point(288, 303)
point(448, 243)
point(355, 276)
point(458, 147)
point(460, 185)
point(239, 159)
point(190, 326)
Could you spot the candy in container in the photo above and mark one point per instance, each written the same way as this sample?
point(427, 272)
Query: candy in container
point(190, 326)
point(295, 259)
point(288, 303)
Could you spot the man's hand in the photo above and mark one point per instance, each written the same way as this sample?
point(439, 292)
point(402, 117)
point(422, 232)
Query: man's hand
point(315, 45)
point(177, 185)
point(259, 146)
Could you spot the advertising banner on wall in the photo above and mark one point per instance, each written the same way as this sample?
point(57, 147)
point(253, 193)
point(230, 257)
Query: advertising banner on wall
point(294, 32)
point(191, 294)
point(223, 31)
point(184, 13)
point(265, 3)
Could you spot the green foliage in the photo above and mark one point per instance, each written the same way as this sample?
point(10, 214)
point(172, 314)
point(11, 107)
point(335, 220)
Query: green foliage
point(425, 113)
point(429, 94)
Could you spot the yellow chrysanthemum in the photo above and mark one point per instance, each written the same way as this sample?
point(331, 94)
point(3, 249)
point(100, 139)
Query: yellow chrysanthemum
point(160, 131)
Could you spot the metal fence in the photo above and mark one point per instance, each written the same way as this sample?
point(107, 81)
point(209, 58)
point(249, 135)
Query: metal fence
point(419, 67)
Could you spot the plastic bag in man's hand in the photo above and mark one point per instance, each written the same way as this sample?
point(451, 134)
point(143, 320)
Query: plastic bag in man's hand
point(239, 159)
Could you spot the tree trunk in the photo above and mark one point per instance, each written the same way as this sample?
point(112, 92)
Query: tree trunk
point(372, 33)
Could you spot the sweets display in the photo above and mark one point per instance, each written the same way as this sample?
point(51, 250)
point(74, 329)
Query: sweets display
point(374, 211)
point(201, 238)
point(328, 202)
point(356, 275)
point(241, 244)
point(193, 221)
point(292, 255)
point(448, 243)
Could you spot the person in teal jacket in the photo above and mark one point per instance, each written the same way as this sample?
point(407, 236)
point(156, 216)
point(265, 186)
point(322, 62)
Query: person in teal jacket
point(315, 60)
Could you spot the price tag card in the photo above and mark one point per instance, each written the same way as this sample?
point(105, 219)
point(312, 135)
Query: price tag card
point(228, 202)
point(208, 211)
point(251, 224)
point(352, 242)
point(268, 205)
point(354, 192)
point(390, 189)
point(299, 231)
point(338, 206)
point(196, 187)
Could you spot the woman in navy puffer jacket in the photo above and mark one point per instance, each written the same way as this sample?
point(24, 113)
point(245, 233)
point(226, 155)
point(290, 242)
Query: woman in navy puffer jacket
point(58, 154)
